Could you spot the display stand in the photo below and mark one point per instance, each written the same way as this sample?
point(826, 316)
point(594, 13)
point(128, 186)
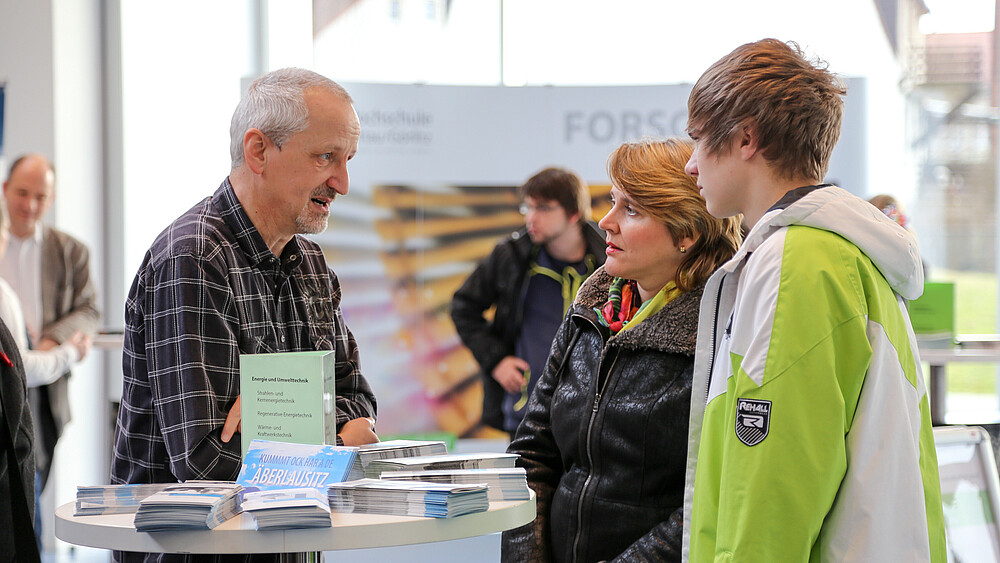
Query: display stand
point(237, 535)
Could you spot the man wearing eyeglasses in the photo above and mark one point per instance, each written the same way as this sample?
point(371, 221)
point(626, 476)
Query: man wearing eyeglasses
point(531, 277)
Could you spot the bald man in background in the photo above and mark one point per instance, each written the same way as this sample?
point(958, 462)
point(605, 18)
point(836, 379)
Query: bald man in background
point(50, 272)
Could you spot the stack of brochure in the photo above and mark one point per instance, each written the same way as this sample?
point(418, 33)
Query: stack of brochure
point(281, 509)
point(283, 465)
point(113, 499)
point(408, 498)
point(189, 505)
point(505, 483)
point(445, 461)
point(392, 449)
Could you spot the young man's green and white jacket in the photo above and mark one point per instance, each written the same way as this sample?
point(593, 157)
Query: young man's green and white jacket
point(810, 436)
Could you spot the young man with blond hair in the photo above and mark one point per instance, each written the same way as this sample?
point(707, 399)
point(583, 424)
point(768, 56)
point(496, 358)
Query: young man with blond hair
point(810, 435)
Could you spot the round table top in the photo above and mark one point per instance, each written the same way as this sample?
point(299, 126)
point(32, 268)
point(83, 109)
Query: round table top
point(936, 356)
point(237, 535)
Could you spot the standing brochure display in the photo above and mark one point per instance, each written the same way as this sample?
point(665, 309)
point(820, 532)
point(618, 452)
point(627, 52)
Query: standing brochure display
point(271, 465)
point(285, 484)
point(288, 397)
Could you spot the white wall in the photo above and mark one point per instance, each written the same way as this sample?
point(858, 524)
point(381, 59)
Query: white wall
point(181, 68)
point(26, 66)
point(179, 100)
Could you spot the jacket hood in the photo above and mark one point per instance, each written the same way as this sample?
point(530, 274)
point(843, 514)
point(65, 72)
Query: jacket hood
point(673, 329)
point(890, 247)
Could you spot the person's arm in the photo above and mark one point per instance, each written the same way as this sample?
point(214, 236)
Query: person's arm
point(192, 361)
point(662, 543)
point(83, 315)
point(354, 432)
point(540, 456)
point(356, 405)
point(44, 367)
point(41, 367)
point(477, 294)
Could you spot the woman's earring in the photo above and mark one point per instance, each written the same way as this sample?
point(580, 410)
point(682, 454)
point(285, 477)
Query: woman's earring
point(683, 249)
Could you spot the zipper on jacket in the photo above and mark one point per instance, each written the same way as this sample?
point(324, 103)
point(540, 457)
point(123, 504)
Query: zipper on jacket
point(525, 276)
point(715, 330)
point(590, 451)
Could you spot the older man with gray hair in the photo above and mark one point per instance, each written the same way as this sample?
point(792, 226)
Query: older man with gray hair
point(232, 276)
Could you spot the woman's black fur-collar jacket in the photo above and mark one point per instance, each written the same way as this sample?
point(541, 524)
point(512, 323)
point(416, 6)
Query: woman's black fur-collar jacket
point(604, 440)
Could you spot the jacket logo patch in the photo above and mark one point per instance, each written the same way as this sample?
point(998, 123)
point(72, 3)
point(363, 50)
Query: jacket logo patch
point(753, 419)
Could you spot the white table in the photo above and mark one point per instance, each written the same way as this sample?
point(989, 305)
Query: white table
point(237, 535)
point(968, 348)
point(108, 340)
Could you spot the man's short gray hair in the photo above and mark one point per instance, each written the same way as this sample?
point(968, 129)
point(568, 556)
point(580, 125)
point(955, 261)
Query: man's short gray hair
point(275, 104)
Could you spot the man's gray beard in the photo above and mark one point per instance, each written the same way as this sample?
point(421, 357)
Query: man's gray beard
point(306, 227)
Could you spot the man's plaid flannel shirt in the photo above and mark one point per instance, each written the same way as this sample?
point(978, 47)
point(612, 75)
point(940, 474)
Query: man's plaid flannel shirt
point(209, 289)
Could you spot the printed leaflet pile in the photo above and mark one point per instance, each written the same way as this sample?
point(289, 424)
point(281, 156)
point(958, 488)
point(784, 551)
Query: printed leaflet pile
point(408, 498)
point(190, 505)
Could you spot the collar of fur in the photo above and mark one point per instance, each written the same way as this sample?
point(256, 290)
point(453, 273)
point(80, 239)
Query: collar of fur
point(673, 329)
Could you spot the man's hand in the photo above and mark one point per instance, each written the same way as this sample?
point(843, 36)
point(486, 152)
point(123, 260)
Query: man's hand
point(358, 431)
point(46, 344)
point(509, 373)
point(81, 342)
point(354, 432)
point(233, 423)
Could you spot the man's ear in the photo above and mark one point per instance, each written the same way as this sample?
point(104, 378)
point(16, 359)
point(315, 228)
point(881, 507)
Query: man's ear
point(747, 141)
point(255, 144)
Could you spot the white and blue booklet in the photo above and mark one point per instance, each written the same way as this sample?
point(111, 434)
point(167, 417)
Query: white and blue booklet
point(113, 499)
point(277, 476)
point(408, 498)
point(392, 449)
point(483, 460)
point(504, 483)
point(280, 509)
point(200, 505)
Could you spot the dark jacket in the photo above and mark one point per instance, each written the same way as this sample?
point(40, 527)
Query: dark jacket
point(604, 440)
point(501, 280)
point(16, 422)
